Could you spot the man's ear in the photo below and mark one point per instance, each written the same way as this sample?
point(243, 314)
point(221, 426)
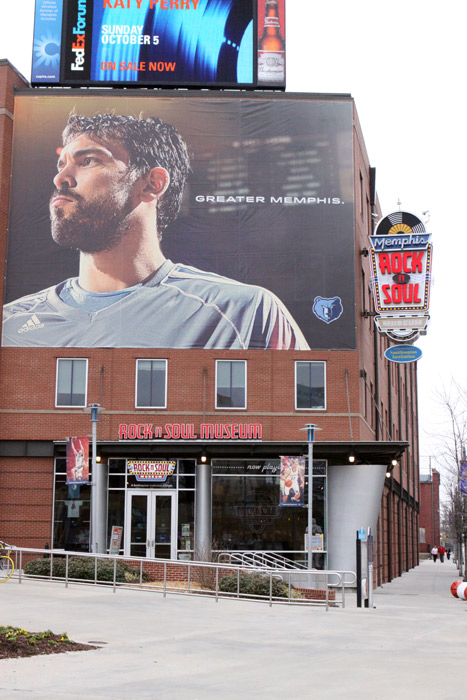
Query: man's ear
point(154, 184)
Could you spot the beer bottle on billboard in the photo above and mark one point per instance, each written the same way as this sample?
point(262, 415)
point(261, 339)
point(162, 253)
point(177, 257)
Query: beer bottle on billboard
point(271, 47)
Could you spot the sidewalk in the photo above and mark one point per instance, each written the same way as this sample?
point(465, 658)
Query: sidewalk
point(411, 645)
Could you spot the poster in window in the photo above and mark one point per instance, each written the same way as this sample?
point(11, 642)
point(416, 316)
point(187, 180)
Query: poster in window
point(292, 481)
point(115, 539)
point(77, 460)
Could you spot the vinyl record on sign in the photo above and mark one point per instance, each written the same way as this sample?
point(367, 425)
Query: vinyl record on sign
point(399, 222)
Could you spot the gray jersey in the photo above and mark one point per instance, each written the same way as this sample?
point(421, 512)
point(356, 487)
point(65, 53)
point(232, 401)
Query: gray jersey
point(179, 307)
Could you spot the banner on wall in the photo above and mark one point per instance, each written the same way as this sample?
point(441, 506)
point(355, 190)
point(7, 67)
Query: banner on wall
point(463, 478)
point(292, 481)
point(144, 43)
point(77, 460)
point(246, 204)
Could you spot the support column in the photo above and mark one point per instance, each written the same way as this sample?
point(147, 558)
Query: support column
point(203, 513)
point(98, 490)
point(101, 505)
point(354, 499)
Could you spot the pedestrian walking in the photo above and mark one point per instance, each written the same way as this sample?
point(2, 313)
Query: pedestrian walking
point(448, 553)
point(434, 553)
point(441, 553)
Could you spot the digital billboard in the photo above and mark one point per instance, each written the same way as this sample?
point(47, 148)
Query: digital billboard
point(144, 43)
point(199, 220)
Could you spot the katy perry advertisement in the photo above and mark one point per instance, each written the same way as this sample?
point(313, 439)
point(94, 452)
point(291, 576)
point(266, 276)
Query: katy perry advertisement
point(181, 221)
point(77, 460)
point(202, 43)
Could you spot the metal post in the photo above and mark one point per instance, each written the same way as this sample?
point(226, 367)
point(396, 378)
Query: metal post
point(98, 493)
point(94, 418)
point(310, 428)
point(370, 567)
point(94, 479)
point(310, 494)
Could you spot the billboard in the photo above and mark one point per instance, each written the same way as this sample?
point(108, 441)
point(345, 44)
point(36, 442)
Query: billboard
point(254, 251)
point(271, 43)
point(198, 43)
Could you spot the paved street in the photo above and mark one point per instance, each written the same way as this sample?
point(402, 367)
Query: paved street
point(412, 645)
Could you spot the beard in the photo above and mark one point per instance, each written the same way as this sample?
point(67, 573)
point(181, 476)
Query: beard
point(94, 226)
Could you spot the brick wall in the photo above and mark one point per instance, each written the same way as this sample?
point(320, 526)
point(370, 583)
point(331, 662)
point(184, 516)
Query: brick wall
point(429, 511)
point(28, 406)
point(26, 497)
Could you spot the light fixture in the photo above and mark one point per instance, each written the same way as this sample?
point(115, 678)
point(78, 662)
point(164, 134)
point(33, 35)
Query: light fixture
point(98, 458)
point(388, 474)
point(204, 457)
point(394, 462)
point(351, 458)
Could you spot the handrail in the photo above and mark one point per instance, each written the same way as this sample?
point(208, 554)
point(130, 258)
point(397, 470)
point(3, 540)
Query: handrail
point(319, 581)
point(265, 559)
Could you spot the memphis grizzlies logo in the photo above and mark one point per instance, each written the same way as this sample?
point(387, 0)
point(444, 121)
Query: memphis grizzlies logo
point(328, 310)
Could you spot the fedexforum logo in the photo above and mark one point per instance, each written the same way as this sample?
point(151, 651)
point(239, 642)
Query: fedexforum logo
point(78, 46)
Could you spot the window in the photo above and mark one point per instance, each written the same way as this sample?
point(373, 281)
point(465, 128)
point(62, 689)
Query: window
point(151, 383)
point(237, 527)
point(72, 512)
point(71, 384)
point(230, 384)
point(310, 385)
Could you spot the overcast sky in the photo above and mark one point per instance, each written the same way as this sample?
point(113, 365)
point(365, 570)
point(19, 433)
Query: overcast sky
point(402, 62)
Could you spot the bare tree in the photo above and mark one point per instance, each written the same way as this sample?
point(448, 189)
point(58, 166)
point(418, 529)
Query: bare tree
point(451, 452)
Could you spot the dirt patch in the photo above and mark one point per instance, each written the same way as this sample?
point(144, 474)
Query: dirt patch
point(17, 642)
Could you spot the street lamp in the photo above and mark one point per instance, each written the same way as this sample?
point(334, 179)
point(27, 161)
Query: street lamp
point(98, 489)
point(310, 428)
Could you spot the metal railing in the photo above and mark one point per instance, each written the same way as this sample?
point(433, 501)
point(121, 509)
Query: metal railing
point(297, 586)
point(263, 560)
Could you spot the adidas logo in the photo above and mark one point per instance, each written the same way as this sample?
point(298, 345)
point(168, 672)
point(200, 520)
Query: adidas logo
point(31, 324)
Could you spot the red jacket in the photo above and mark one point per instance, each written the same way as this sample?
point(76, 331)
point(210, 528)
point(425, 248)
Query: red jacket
point(441, 550)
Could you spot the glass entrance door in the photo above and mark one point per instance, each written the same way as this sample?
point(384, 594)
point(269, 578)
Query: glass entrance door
point(151, 524)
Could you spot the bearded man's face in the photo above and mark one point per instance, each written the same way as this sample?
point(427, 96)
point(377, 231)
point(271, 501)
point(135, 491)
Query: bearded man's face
point(90, 206)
